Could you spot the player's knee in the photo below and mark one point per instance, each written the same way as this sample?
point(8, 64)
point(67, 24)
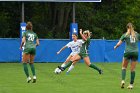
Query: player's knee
point(132, 69)
point(87, 63)
point(123, 67)
point(31, 62)
point(72, 60)
point(24, 61)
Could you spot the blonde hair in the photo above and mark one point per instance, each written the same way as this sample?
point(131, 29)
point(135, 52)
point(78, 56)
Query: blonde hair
point(87, 32)
point(29, 26)
point(130, 30)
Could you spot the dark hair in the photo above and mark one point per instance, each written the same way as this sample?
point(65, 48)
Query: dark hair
point(75, 34)
point(29, 26)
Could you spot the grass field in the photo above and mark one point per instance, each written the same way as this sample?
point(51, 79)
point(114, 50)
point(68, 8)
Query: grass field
point(81, 80)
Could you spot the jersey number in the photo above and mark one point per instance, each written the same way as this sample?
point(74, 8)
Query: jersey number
point(132, 39)
point(31, 37)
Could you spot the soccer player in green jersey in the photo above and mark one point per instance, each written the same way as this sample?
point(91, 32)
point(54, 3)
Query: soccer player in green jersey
point(29, 50)
point(83, 52)
point(131, 39)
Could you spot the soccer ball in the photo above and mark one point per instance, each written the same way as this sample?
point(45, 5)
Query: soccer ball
point(57, 71)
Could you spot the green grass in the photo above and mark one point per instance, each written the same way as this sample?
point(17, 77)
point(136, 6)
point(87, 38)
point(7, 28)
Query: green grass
point(81, 80)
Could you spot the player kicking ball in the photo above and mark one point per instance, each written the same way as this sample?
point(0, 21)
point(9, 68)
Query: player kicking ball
point(75, 48)
point(29, 50)
point(83, 53)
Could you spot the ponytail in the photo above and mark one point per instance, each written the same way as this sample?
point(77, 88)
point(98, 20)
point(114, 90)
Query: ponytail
point(130, 30)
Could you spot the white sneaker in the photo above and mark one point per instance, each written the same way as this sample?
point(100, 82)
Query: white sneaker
point(28, 79)
point(122, 84)
point(34, 79)
point(130, 86)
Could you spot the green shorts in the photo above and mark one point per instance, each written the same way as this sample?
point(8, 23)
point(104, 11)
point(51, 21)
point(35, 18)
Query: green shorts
point(131, 56)
point(31, 51)
point(82, 55)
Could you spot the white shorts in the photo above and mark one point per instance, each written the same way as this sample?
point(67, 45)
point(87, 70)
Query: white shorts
point(73, 53)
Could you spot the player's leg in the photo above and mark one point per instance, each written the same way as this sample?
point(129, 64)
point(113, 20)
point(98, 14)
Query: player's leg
point(72, 66)
point(74, 58)
point(33, 67)
point(67, 60)
point(88, 63)
point(64, 64)
point(25, 60)
point(124, 66)
point(132, 68)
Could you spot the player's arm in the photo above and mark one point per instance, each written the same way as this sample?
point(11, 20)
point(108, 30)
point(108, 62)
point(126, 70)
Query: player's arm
point(61, 49)
point(22, 43)
point(118, 44)
point(37, 42)
point(85, 39)
point(82, 35)
point(123, 37)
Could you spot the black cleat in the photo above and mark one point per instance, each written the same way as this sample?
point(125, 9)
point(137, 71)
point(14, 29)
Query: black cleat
point(122, 85)
point(34, 81)
point(100, 71)
point(28, 80)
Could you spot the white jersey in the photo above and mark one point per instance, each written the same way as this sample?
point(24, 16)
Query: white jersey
point(75, 46)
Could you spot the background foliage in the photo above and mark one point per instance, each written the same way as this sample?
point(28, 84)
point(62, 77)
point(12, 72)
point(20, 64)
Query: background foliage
point(52, 20)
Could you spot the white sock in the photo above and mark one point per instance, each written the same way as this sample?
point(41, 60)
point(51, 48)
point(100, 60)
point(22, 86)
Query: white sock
point(29, 78)
point(63, 65)
point(34, 77)
point(123, 81)
point(70, 68)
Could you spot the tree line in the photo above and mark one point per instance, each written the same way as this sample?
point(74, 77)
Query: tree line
point(52, 20)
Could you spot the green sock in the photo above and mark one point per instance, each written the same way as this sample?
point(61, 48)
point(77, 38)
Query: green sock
point(26, 69)
point(132, 77)
point(123, 74)
point(94, 67)
point(32, 69)
point(68, 64)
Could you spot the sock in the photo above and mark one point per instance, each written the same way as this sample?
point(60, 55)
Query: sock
point(26, 69)
point(63, 65)
point(32, 69)
point(132, 77)
point(94, 67)
point(67, 65)
point(70, 68)
point(123, 74)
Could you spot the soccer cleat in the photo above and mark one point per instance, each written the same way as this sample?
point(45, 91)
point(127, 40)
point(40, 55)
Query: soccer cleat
point(61, 68)
point(122, 84)
point(28, 79)
point(34, 79)
point(130, 86)
point(100, 71)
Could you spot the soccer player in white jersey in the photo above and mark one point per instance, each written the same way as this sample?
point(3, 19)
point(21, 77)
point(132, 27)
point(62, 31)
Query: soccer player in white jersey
point(75, 48)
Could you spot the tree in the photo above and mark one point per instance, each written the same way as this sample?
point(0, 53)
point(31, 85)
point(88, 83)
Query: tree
point(51, 20)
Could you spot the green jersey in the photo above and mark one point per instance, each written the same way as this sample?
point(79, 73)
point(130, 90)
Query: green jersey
point(30, 39)
point(131, 43)
point(85, 45)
